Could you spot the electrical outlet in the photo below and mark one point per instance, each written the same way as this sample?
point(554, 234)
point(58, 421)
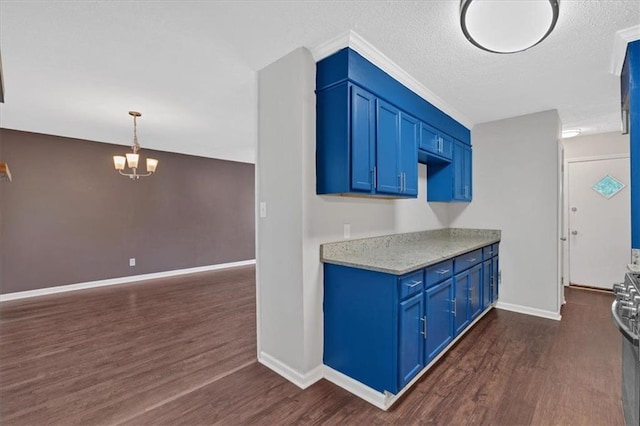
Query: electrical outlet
point(347, 230)
point(132, 261)
point(263, 209)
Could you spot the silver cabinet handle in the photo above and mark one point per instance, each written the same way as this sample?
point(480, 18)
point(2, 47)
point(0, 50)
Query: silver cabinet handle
point(424, 326)
point(415, 283)
point(375, 177)
point(454, 307)
point(473, 259)
point(442, 272)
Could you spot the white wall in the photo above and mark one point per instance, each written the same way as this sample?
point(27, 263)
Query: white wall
point(515, 189)
point(289, 272)
point(279, 235)
point(596, 145)
point(582, 147)
point(416, 214)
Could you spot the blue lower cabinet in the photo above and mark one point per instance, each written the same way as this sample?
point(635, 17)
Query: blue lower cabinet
point(475, 292)
point(494, 278)
point(439, 318)
point(487, 288)
point(383, 329)
point(370, 333)
point(411, 338)
point(461, 301)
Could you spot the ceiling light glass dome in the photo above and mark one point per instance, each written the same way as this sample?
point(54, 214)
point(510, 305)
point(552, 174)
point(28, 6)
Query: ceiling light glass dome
point(507, 26)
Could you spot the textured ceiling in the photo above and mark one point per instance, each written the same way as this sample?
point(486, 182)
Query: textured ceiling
point(76, 68)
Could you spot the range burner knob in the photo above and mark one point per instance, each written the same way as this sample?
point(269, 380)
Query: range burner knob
point(620, 290)
point(618, 287)
point(629, 309)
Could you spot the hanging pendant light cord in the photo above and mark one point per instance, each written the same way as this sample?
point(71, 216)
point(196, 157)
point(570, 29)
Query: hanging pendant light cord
point(136, 145)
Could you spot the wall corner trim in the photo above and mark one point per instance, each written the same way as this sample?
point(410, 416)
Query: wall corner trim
point(529, 311)
point(121, 280)
point(619, 51)
point(302, 380)
point(372, 54)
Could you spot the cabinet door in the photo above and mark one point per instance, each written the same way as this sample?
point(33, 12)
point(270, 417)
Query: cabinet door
point(362, 139)
point(446, 146)
point(408, 155)
point(439, 318)
point(467, 172)
point(494, 278)
point(458, 171)
point(475, 295)
point(411, 339)
point(429, 138)
point(461, 171)
point(387, 148)
point(461, 289)
point(486, 284)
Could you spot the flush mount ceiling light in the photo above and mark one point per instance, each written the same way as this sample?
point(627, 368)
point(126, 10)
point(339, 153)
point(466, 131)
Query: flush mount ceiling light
point(507, 26)
point(132, 159)
point(570, 133)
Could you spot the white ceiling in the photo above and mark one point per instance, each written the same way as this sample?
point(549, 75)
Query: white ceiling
point(76, 68)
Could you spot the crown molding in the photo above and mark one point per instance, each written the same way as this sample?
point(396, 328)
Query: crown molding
point(372, 54)
point(620, 41)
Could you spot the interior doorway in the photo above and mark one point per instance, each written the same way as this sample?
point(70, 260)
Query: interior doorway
point(598, 220)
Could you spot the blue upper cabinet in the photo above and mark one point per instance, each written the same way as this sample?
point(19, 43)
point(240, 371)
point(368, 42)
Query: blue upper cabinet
point(370, 129)
point(437, 146)
point(408, 158)
point(388, 142)
point(362, 140)
point(448, 182)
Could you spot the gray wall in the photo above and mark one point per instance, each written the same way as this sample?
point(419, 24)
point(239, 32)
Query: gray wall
point(516, 190)
point(68, 217)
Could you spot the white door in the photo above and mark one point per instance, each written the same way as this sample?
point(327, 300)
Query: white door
point(599, 222)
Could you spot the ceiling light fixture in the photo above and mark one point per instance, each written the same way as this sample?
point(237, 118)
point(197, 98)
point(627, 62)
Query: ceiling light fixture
point(501, 26)
point(132, 159)
point(570, 133)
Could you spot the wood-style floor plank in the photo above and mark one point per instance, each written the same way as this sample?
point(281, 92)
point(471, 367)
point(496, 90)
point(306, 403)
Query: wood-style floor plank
point(510, 369)
point(101, 356)
point(181, 351)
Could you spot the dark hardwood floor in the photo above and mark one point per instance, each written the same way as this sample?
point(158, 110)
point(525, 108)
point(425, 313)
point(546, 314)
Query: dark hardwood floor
point(182, 352)
point(101, 356)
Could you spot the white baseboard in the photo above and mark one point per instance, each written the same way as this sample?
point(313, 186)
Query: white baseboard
point(122, 280)
point(302, 380)
point(529, 311)
point(361, 390)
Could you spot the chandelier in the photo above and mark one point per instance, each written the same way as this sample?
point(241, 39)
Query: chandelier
point(132, 158)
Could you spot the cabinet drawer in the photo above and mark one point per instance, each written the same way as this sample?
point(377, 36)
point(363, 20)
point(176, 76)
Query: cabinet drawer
point(411, 284)
point(438, 272)
point(490, 251)
point(467, 260)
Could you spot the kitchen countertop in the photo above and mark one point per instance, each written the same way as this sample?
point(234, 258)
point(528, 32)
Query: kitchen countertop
point(402, 253)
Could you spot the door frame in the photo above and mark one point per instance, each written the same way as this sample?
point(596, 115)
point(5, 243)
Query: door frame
point(564, 256)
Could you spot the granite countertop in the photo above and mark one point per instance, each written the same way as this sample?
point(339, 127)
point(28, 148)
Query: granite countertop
point(402, 253)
